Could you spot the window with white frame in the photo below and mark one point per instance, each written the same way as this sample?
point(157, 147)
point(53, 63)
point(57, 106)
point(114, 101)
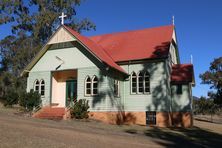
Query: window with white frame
point(140, 83)
point(133, 82)
point(116, 88)
point(42, 88)
point(88, 86)
point(36, 85)
point(94, 85)
point(146, 82)
point(39, 86)
point(91, 86)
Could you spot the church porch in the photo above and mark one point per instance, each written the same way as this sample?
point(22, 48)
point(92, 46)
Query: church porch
point(64, 88)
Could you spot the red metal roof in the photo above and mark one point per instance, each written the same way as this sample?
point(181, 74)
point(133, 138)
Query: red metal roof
point(96, 49)
point(138, 44)
point(182, 73)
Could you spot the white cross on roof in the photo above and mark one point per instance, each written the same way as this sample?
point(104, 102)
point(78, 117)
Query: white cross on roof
point(62, 18)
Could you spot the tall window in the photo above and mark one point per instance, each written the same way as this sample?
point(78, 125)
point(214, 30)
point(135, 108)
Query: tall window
point(116, 88)
point(94, 85)
point(36, 85)
point(39, 86)
point(91, 86)
point(133, 82)
point(140, 82)
point(88, 86)
point(146, 82)
point(42, 87)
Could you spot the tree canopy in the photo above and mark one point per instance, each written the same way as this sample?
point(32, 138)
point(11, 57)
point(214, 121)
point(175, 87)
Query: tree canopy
point(213, 77)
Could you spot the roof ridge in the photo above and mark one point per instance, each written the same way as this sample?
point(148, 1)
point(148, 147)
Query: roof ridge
point(129, 31)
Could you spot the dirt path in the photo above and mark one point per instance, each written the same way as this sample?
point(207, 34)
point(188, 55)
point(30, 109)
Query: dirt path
point(23, 132)
point(18, 131)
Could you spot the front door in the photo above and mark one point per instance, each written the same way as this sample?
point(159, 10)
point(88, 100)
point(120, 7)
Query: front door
point(71, 92)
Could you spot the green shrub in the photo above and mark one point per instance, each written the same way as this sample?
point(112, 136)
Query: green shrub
point(80, 109)
point(11, 97)
point(30, 100)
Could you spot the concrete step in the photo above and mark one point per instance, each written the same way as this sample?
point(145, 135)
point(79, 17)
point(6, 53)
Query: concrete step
point(50, 113)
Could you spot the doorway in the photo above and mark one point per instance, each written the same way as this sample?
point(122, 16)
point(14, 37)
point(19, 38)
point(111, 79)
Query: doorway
point(71, 92)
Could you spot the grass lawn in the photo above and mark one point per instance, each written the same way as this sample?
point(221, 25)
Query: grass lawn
point(19, 131)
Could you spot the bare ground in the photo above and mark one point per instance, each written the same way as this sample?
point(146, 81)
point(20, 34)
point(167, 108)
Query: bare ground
point(19, 131)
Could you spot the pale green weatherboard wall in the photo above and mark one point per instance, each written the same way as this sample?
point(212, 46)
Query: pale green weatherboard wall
point(41, 75)
point(105, 101)
point(157, 99)
point(183, 101)
point(72, 57)
point(42, 69)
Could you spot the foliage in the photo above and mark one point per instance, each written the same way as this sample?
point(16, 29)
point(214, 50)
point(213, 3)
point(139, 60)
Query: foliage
point(80, 109)
point(30, 100)
point(205, 106)
point(11, 98)
point(213, 77)
point(32, 22)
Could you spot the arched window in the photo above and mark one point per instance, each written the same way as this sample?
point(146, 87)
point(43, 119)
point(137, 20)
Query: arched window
point(94, 85)
point(36, 85)
point(87, 86)
point(146, 82)
point(133, 82)
point(42, 87)
point(140, 82)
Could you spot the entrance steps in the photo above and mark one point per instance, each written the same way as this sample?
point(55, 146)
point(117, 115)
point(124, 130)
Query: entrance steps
point(53, 113)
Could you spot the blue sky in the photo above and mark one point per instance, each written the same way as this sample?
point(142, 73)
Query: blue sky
point(198, 25)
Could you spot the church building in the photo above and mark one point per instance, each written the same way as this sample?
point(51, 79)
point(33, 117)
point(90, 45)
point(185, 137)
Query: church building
point(132, 77)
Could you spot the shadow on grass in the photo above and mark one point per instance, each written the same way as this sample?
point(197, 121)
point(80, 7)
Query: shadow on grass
point(181, 137)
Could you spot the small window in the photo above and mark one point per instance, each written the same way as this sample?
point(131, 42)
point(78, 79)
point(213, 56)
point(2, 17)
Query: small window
point(140, 82)
point(42, 88)
point(116, 88)
point(147, 82)
point(88, 86)
point(179, 89)
point(151, 118)
point(36, 85)
point(94, 85)
point(133, 83)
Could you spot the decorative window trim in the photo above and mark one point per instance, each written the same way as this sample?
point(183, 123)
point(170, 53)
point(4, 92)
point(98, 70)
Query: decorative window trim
point(140, 74)
point(143, 75)
point(92, 87)
point(36, 85)
point(146, 74)
point(116, 85)
point(86, 82)
point(39, 87)
point(91, 82)
point(40, 90)
point(131, 82)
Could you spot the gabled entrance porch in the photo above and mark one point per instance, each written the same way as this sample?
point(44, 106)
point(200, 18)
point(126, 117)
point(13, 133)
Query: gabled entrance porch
point(64, 88)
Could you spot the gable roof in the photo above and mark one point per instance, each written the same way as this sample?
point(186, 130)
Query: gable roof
point(137, 45)
point(96, 50)
point(124, 46)
point(182, 73)
point(92, 47)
